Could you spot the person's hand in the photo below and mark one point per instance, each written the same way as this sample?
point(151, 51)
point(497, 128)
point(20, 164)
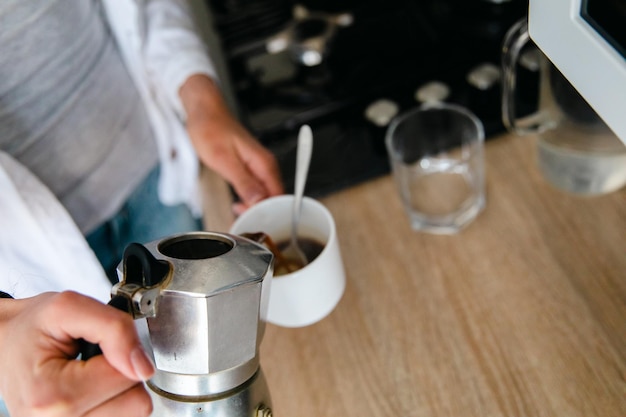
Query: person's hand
point(225, 146)
point(39, 375)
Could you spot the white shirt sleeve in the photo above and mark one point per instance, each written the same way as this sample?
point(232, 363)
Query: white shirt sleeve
point(161, 49)
point(173, 49)
point(41, 248)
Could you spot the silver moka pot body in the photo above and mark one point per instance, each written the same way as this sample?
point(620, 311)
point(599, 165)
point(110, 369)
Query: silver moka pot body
point(204, 296)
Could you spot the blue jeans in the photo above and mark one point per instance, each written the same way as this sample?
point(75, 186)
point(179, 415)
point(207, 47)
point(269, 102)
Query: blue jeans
point(142, 219)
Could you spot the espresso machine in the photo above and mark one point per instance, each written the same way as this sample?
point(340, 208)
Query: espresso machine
point(590, 50)
point(204, 296)
point(347, 67)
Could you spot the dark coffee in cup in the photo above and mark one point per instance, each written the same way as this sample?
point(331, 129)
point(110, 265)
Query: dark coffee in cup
point(284, 265)
point(310, 247)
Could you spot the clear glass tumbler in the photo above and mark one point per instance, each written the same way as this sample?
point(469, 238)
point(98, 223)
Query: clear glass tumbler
point(436, 155)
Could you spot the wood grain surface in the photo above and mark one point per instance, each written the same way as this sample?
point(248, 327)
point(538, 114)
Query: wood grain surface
point(523, 313)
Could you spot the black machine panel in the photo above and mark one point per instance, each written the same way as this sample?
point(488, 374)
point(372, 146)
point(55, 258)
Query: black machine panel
point(608, 17)
point(328, 63)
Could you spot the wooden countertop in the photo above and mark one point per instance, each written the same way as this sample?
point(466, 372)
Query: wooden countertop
point(521, 314)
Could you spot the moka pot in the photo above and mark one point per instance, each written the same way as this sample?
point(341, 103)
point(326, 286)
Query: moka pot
point(204, 296)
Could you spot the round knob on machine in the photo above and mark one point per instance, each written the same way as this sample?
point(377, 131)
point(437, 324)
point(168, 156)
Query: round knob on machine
point(381, 112)
point(432, 92)
point(484, 76)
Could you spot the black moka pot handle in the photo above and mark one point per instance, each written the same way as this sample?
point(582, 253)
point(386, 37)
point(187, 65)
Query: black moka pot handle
point(140, 268)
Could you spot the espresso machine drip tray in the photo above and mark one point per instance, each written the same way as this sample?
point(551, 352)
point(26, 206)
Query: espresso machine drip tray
point(332, 64)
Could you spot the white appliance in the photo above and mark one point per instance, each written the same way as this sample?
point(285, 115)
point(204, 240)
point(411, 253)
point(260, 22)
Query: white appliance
point(586, 41)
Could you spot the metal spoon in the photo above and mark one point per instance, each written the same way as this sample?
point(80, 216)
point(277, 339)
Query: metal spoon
point(303, 159)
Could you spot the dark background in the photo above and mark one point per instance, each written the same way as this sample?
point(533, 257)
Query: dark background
point(392, 48)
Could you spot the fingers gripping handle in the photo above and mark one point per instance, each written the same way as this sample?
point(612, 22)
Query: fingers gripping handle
point(141, 270)
point(88, 349)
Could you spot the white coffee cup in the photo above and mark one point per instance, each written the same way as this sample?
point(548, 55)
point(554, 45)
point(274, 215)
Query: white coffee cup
point(309, 294)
